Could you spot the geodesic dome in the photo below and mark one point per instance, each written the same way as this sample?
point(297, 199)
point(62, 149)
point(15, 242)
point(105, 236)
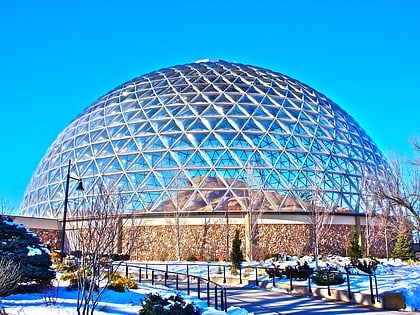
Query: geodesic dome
point(209, 136)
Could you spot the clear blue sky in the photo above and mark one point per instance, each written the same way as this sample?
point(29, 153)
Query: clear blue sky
point(57, 57)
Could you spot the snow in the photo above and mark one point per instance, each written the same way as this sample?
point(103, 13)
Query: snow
point(392, 276)
point(33, 251)
point(112, 303)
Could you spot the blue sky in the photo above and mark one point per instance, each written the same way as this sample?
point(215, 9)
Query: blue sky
point(57, 57)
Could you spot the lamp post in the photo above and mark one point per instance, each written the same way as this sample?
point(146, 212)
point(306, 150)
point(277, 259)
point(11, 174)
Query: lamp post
point(66, 201)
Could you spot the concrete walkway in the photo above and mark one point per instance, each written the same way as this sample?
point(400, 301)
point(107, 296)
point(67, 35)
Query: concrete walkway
point(259, 301)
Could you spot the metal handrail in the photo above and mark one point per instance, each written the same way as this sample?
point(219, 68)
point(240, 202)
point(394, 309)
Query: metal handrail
point(373, 285)
point(152, 271)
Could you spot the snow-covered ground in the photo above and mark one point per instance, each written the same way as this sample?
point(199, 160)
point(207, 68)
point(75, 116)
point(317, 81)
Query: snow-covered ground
point(112, 303)
point(392, 276)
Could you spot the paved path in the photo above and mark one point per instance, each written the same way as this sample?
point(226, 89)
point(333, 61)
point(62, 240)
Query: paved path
point(266, 302)
point(259, 301)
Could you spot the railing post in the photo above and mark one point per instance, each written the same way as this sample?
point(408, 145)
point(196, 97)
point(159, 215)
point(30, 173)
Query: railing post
point(274, 280)
point(153, 277)
point(147, 272)
point(224, 273)
point(371, 290)
point(328, 282)
point(166, 278)
point(226, 304)
point(309, 282)
point(222, 300)
point(216, 302)
point(126, 270)
point(240, 274)
point(177, 282)
point(348, 284)
point(208, 294)
point(291, 281)
point(188, 284)
point(198, 287)
point(256, 276)
point(139, 274)
point(376, 287)
point(208, 272)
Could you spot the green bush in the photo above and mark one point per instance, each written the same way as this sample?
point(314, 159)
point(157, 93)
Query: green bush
point(403, 249)
point(24, 248)
point(154, 304)
point(236, 256)
point(355, 250)
point(71, 277)
point(120, 283)
point(323, 277)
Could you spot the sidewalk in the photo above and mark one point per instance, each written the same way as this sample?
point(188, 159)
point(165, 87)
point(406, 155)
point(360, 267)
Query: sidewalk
point(259, 301)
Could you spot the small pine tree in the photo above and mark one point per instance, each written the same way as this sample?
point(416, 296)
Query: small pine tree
point(21, 246)
point(236, 256)
point(403, 249)
point(355, 251)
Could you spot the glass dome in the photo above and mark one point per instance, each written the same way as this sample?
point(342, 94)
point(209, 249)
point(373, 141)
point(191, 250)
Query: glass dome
point(209, 136)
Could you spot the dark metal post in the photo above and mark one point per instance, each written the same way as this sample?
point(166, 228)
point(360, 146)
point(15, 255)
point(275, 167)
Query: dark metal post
point(226, 304)
point(291, 280)
point(328, 282)
point(198, 287)
point(66, 201)
point(256, 276)
point(309, 282)
point(208, 293)
point(139, 274)
point(126, 270)
point(371, 290)
point(224, 274)
point(222, 300)
point(240, 274)
point(216, 302)
point(348, 285)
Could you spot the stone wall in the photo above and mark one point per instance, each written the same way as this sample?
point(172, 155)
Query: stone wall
point(209, 242)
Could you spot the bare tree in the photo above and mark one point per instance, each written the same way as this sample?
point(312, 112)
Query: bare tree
point(10, 276)
point(96, 234)
point(176, 217)
point(254, 202)
point(6, 207)
point(320, 217)
point(401, 188)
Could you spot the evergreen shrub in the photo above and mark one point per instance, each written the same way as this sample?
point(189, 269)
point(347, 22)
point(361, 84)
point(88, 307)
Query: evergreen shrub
point(403, 249)
point(155, 304)
point(325, 276)
point(120, 283)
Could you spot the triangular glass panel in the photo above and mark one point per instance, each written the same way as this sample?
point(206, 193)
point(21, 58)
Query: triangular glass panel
point(199, 99)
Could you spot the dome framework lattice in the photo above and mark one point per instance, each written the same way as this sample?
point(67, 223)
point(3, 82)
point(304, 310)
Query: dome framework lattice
point(209, 136)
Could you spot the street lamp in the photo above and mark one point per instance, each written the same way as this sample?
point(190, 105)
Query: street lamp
point(66, 201)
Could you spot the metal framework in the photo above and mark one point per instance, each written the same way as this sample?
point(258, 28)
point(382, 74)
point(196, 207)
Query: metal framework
point(210, 136)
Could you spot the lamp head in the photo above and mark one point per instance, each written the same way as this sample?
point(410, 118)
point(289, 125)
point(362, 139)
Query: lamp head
point(80, 186)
